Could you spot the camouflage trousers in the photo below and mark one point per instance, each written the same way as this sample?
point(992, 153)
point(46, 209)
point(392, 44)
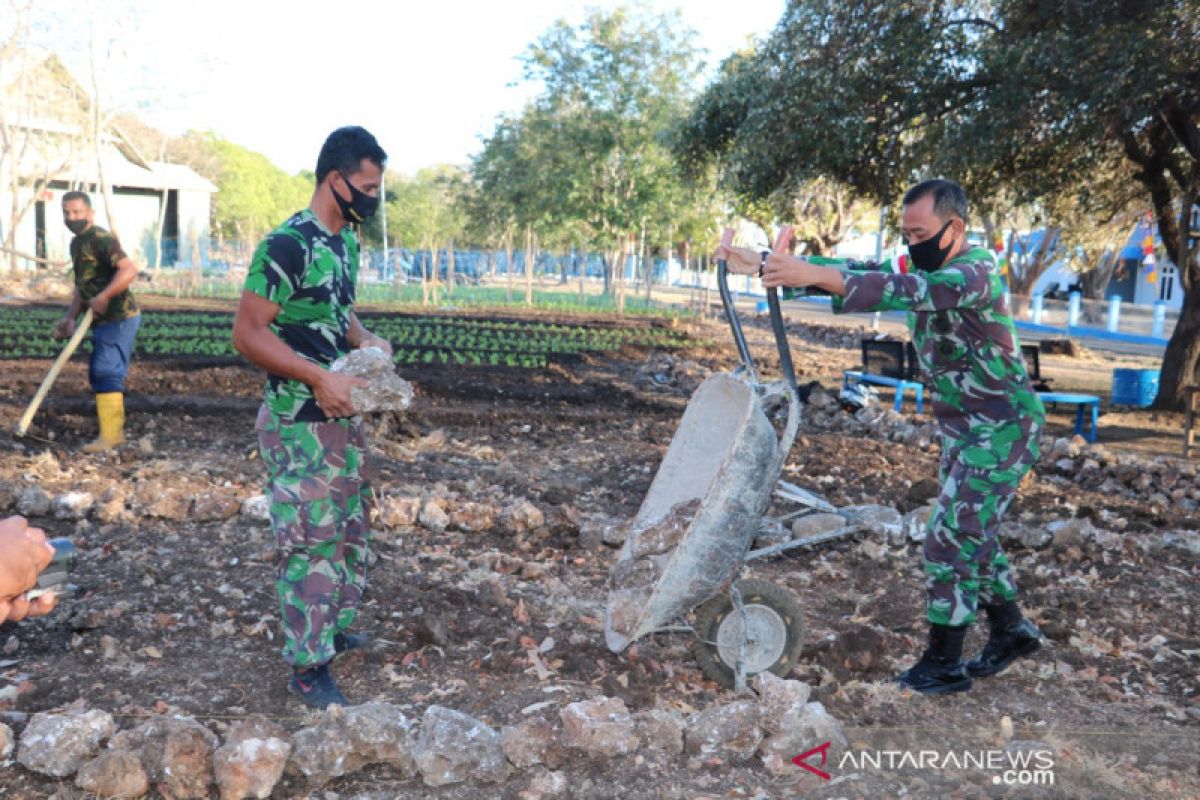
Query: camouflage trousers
point(320, 513)
point(965, 566)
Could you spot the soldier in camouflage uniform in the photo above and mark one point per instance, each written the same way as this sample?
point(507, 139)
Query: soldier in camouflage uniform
point(296, 316)
point(103, 275)
point(987, 412)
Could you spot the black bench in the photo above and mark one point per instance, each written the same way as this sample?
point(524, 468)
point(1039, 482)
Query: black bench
point(886, 362)
point(1033, 365)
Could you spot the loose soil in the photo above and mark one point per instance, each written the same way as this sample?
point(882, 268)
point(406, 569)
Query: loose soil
point(180, 616)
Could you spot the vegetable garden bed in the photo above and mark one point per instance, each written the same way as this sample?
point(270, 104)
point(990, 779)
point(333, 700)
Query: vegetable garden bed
point(416, 338)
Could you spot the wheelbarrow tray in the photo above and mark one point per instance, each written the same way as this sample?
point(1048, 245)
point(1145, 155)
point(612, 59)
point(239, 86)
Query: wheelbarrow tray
point(727, 455)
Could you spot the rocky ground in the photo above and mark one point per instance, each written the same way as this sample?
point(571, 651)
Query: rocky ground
point(500, 497)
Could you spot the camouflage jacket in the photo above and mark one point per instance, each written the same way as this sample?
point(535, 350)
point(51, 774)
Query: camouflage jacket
point(966, 343)
point(95, 254)
point(310, 274)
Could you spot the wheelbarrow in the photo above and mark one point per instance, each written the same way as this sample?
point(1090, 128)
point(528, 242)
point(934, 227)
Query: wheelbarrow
point(693, 531)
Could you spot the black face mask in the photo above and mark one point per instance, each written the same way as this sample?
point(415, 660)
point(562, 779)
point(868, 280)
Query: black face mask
point(76, 226)
point(927, 256)
point(360, 207)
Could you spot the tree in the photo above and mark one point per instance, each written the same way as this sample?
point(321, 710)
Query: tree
point(838, 94)
point(1024, 102)
point(428, 212)
point(253, 194)
point(588, 159)
point(1116, 92)
point(43, 116)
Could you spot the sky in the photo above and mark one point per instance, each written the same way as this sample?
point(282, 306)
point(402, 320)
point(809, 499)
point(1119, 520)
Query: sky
point(428, 77)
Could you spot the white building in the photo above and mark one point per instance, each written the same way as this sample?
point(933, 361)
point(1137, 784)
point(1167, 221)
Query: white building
point(160, 211)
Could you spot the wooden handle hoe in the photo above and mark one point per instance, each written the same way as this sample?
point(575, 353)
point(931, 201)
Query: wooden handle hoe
point(80, 331)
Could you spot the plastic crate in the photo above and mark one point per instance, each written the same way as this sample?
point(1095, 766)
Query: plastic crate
point(1134, 387)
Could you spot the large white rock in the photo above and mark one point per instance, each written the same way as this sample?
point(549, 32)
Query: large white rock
point(600, 727)
point(386, 390)
point(73, 505)
point(731, 731)
point(252, 759)
point(454, 747)
point(59, 744)
point(176, 753)
point(114, 773)
point(816, 524)
point(813, 727)
point(347, 739)
point(781, 702)
point(883, 522)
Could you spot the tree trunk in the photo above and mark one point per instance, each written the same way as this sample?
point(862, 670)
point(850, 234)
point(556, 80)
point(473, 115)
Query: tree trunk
point(450, 269)
point(1033, 266)
point(626, 249)
point(646, 276)
point(609, 269)
point(424, 279)
point(1181, 360)
point(530, 260)
point(580, 268)
point(508, 261)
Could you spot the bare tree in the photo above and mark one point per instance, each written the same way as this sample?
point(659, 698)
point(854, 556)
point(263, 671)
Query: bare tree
point(40, 111)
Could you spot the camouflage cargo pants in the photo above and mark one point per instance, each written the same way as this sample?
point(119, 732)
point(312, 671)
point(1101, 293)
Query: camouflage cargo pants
point(965, 566)
point(320, 512)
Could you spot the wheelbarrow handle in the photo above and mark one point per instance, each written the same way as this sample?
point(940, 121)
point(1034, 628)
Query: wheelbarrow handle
point(735, 324)
point(782, 243)
point(785, 355)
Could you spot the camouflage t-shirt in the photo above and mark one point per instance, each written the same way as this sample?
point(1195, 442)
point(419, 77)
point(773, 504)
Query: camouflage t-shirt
point(966, 343)
point(95, 254)
point(310, 274)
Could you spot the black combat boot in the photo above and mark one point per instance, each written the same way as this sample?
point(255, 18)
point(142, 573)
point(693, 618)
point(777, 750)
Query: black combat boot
point(344, 642)
point(941, 669)
point(1010, 637)
point(316, 687)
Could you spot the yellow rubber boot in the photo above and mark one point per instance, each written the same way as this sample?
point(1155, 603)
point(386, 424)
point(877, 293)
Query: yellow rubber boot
point(110, 409)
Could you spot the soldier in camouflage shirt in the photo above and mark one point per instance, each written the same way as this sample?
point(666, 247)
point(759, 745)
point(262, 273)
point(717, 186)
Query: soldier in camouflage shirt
point(103, 275)
point(296, 316)
point(987, 412)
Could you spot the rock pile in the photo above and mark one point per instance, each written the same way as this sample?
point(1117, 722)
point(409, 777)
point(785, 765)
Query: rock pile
point(664, 372)
point(824, 411)
point(1160, 482)
point(182, 758)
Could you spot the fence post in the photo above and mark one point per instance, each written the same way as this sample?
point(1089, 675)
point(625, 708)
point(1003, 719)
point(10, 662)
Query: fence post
point(1035, 308)
point(1114, 313)
point(1160, 319)
point(1073, 309)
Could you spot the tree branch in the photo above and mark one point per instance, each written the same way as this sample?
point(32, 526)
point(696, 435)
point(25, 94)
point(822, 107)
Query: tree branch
point(1181, 126)
point(980, 21)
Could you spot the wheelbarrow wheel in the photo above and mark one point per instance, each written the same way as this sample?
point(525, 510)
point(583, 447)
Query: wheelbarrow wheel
point(775, 628)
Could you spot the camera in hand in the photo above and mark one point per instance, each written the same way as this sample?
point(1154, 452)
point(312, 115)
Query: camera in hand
point(57, 576)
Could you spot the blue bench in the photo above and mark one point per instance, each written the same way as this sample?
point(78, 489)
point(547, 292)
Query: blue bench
point(882, 380)
point(1083, 401)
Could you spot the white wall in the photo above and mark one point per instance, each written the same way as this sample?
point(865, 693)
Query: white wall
point(193, 225)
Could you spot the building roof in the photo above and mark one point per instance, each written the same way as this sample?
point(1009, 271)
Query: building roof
point(51, 114)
